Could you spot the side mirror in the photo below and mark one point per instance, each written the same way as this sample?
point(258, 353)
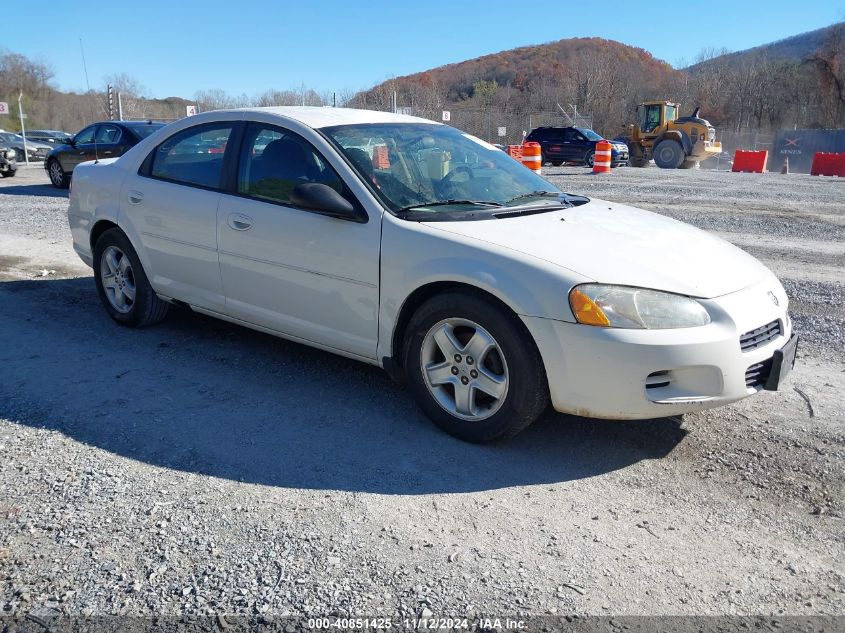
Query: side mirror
point(321, 198)
point(68, 141)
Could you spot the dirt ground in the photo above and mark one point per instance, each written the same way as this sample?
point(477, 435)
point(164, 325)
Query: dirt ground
point(201, 468)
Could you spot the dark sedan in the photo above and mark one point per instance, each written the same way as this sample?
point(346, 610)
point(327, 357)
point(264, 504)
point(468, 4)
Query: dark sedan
point(107, 139)
point(53, 138)
point(574, 145)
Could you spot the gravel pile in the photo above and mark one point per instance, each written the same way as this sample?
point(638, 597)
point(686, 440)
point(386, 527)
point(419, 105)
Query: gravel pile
point(197, 468)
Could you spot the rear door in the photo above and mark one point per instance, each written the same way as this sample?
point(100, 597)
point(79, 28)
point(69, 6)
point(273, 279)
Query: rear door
point(109, 140)
point(170, 207)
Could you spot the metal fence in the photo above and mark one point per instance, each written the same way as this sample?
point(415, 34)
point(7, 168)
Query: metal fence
point(496, 125)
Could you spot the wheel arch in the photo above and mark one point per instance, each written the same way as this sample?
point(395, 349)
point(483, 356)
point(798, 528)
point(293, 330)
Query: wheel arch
point(679, 136)
point(100, 227)
point(393, 363)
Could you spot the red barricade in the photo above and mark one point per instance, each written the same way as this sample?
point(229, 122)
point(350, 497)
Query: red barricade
point(746, 160)
point(828, 164)
point(515, 151)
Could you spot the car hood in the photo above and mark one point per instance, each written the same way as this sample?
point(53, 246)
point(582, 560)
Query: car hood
point(617, 244)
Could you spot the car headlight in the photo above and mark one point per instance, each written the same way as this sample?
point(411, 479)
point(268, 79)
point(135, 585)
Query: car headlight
point(635, 308)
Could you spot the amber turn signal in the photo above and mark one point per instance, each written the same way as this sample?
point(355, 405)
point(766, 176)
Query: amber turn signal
point(586, 311)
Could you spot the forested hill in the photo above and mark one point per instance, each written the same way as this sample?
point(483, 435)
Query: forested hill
point(791, 49)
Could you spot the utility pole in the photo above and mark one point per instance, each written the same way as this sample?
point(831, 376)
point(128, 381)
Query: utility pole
point(110, 93)
point(119, 107)
point(23, 129)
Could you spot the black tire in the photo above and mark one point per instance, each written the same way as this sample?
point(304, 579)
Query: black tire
point(9, 174)
point(590, 158)
point(557, 163)
point(147, 308)
point(668, 154)
point(57, 174)
point(528, 393)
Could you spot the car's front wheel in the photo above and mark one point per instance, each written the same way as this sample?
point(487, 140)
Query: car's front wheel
point(9, 174)
point(473, 368)
point(122, 283)
point(57, 175)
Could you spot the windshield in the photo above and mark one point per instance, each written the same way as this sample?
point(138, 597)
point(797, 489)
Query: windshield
point(590, 134)
point(143, 131)
point(413, 165)
point(12, 138)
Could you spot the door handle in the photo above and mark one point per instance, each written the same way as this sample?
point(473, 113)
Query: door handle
point(240, 222)
point(135, 197)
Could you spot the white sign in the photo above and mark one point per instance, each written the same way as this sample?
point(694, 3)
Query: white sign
point(4, 107)
point(503, 131)
point(447, 115)
point(191, 110)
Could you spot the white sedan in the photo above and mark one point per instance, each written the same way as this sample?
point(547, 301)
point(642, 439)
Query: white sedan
point(410, 245)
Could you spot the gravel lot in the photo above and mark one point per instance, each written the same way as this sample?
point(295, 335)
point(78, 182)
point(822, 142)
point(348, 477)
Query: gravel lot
point(201, 468)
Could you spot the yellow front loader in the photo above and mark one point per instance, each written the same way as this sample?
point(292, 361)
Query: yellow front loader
point(672, 141)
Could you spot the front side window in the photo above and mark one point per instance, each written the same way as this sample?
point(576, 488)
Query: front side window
point(274, 161)
point(86, 135)
point(413, 165)
point(590, 134)
point(193, 156)
point(108, 134)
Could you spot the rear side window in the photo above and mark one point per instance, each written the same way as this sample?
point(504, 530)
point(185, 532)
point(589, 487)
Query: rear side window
point(108, 134)
point(193, 156)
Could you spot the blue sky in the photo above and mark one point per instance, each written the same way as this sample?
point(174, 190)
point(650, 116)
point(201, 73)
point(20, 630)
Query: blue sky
point(178, 47)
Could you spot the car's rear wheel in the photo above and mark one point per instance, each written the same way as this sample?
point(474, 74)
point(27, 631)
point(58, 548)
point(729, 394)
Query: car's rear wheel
point(9, 174)
point(473, 368)
point(122, 284)
point(57, 175)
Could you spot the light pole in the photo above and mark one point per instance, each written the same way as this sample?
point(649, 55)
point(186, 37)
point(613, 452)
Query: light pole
point(23, 129)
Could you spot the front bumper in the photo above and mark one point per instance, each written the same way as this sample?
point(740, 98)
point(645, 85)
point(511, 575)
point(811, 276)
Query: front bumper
point(637, 374)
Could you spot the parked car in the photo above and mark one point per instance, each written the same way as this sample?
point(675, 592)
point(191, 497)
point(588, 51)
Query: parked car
point(574, 145)
point(53, 138)
point(8, 162)
point(23, 148)
point(436, 256)
point(106, 139)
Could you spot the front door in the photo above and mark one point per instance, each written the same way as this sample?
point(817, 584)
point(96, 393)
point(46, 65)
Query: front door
point(82, 149)
point(292, 270)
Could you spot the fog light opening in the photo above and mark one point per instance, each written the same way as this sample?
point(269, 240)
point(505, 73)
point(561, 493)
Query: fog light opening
point(657, 379)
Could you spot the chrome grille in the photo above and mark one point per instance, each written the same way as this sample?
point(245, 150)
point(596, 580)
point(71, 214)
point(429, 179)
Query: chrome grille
point(761, 336)
point(757, 375)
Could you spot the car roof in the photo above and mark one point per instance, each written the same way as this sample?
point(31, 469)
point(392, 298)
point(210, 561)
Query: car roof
point(320, 116)
point(136, 123)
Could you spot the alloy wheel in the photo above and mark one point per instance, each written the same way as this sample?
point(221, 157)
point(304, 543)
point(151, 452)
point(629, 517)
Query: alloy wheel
point(118, 279)
point(464, 369)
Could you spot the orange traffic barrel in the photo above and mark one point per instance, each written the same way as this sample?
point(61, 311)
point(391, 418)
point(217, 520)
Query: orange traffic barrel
point(601, 159)
point(532, 156)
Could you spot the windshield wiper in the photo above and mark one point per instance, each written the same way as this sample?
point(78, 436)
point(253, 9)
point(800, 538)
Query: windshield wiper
point(535, 194)
point(440, 203)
